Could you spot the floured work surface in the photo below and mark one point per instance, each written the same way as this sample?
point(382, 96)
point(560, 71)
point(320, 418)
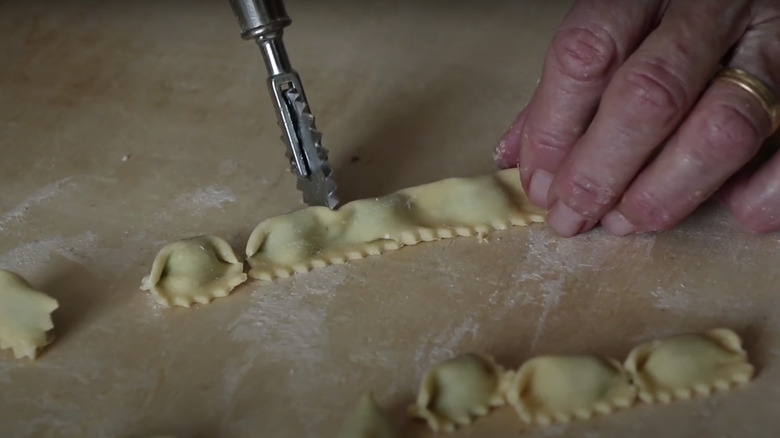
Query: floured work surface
point(154, 134)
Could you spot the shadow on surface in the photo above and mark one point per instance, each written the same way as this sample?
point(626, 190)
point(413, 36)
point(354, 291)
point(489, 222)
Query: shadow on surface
point(75, 289)
point(396, 130)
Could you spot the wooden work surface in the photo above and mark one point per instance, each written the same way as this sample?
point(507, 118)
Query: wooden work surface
point(128, 125)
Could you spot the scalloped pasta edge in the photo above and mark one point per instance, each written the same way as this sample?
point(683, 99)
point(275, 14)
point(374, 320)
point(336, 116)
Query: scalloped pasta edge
point(410, 238)
point(440, 423)
point(726, 339)
point(601, 407)
point(34, 337)
point(225, 254)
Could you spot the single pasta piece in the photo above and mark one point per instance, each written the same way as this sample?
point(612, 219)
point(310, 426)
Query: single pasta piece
point(315, 237)
point(194, 270)
point(550, 389)
point(25, 316)
point(683, 366)
point(368, 421)
point(455, 391)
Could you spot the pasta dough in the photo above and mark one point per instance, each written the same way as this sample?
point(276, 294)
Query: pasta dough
point(548, 389)
point(559, 388)
point(458, 389)
point(367, 421)
point(194, 270)
point(25, 316)
point(682, 366)
point(316, 236)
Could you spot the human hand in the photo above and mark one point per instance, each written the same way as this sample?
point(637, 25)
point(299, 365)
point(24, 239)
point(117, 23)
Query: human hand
point(627, 128)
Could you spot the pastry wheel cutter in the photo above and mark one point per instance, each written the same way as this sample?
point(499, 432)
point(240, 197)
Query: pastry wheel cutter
point(264, 21)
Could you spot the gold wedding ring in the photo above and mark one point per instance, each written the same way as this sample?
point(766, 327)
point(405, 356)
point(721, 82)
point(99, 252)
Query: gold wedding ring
point(757, 89)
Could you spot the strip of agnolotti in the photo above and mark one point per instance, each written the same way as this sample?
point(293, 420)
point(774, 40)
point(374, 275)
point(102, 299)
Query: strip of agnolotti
point(194, 270)
point(562, 388)
point(694, 364)
point(316, 237)
point(25, 316)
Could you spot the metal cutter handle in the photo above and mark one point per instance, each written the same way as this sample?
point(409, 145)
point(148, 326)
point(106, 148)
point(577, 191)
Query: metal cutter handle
point(264, 21)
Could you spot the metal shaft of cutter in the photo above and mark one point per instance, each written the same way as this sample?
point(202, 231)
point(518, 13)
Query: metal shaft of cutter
point(264, 21)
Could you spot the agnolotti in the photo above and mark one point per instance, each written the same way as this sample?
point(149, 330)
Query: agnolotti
point(694, 364)
point(561, 388)
point(549, 389)
point(194, 270)
point(455, 391)
point(368, 421)
point(315, 237)
point(25, 316)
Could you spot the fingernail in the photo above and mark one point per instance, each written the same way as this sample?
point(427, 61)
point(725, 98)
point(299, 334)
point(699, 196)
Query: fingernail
point(539, 187)
point(589, 225)
point(565, 221)
point(617, 224)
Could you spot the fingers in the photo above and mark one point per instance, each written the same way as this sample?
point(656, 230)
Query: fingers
point(644, 103)
point(754, 197)
point(594, 39)
point(755, 200)
point(722, 134)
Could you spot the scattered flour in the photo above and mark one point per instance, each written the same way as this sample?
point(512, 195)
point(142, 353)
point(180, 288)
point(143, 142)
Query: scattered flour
point(556, 430)
point(235, 371)
point(548, 256)
point(228, 167)
point(500, 152)
point(552, 295)
point(444, 344)
point(283, 324)
point(286, 325)
point(42, 194)
point(29, 260)
point(674, 299)
point(206, 197)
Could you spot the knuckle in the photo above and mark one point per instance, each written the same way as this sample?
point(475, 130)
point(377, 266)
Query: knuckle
point(551, 141)
point(584, 54)
point(653, 213)
point(728, 134)
point(652, 85)
point(587, 195)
